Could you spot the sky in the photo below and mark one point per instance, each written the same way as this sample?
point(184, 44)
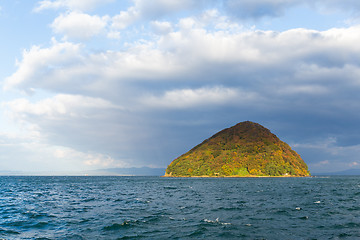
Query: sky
point(93, 84)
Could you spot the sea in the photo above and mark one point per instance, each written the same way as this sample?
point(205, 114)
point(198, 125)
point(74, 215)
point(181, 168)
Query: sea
point(106, 207)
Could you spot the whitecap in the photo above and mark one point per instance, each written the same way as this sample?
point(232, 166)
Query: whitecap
point(298, 208)
point(224, 223)
point(208, 221)
point(317, 202)
point(216, 221)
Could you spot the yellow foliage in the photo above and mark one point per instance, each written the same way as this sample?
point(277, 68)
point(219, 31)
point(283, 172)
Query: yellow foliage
point(253, 171)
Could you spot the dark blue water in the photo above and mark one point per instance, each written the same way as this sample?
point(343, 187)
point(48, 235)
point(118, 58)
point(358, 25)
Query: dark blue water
point(173, 208)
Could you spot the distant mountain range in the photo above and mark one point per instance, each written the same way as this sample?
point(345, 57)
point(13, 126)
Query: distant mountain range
point(142, 171)
point(346, 172)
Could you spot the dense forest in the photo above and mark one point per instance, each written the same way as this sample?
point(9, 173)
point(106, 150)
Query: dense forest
point(246, 149)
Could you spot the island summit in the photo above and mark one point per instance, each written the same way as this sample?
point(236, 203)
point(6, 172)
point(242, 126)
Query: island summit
point(244, 150)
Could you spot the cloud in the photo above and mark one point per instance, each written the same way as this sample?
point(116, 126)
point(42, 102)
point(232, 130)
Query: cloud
point(152, 10)
point(87, 160)
point(191, 53)
point(354, 164)
point(92, 130)
point(125, 18)
point(194, 76)
point(77, 5)
point(255, 9)
point(40, 63)
point(329, 155)
point(161, 28)
point(60, 106)
point(68, 64)
point(274, 65)
point(79, 26)
point(23, 152)
point(342, 4)
point(114, 35)
point(258, 8)
point(325, 162)
point(194, 98)
point(157, 9)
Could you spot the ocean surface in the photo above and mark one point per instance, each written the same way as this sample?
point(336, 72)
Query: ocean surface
point(179, 208)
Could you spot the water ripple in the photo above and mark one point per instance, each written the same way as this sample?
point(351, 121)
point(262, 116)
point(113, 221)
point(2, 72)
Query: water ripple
point(163, 208)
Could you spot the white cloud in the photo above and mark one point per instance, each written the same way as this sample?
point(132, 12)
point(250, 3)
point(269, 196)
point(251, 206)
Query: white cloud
point(79, 5)
point(92, 131)
point(87, 160)
point(79, 25)
point(63, 115)
point(42, 5)
point(83, 160)
point(297, 61)
point(101, 161)
point(60, 106)
point(67, 64)
point(193, 98)
point(114, 35)
point(24, 152)
point(125, 18)
point(354, 164)
point(213, 18)
point(39, 63)
point(151, 10)
point(161, 28)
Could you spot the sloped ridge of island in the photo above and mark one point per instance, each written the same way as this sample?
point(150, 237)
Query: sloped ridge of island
point(246, 149)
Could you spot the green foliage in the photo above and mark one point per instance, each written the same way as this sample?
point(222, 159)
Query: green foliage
point(241, 172)
point(243, 150)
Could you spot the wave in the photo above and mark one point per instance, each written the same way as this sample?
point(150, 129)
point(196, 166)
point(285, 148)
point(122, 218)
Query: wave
point(216, 221)
point(117, 226)
point(158, 208)
point(10, 232)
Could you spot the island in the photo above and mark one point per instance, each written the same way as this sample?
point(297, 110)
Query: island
point(244, 150)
